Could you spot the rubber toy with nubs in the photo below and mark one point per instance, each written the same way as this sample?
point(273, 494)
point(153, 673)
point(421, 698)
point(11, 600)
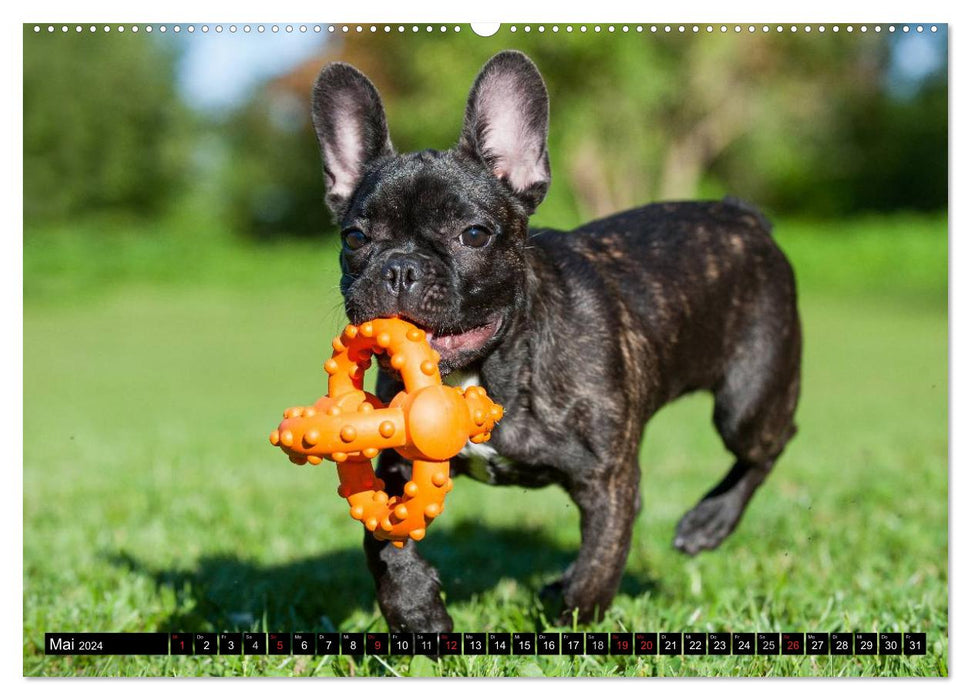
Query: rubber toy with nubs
point(427, 423)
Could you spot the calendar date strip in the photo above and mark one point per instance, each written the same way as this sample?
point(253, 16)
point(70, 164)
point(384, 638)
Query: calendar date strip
point(486, 643)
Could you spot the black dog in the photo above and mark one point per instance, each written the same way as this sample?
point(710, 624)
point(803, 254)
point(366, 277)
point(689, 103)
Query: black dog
point(581, 336)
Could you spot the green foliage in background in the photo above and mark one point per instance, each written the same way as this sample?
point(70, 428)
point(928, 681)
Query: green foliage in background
point(272, 174)
point(104, 130)
point(802, 124)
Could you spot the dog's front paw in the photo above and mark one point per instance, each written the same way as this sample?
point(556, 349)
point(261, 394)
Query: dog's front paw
point(707, 524)
point(433, 618)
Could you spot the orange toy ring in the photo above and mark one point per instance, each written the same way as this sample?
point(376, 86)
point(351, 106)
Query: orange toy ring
point(427, 423)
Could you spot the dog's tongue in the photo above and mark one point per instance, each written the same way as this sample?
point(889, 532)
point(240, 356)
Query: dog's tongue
point(467, 340)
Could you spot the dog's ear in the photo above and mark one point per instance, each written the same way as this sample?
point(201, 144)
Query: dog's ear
point(506, 123)
point(351, 128)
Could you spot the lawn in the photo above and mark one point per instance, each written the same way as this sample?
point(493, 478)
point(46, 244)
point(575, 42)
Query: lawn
point(155, 366)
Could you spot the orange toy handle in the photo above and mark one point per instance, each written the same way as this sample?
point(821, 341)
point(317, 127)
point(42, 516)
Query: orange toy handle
point(427, 423)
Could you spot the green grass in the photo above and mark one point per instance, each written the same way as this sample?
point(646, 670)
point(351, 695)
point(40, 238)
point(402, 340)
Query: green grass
point(154, 368)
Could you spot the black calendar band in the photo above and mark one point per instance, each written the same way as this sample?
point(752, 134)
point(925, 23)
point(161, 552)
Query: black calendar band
point(487, 643)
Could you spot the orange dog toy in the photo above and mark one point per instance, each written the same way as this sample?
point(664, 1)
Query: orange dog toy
point(427, 423)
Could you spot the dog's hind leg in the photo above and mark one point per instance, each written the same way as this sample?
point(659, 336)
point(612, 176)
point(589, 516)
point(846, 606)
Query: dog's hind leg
point(754, 408)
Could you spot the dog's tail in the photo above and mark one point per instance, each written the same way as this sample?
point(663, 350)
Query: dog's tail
point(749, 208)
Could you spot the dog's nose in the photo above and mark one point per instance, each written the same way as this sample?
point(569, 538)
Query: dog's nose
point(401, 273)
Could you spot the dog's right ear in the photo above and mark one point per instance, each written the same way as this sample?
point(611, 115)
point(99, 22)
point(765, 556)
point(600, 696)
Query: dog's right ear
point(351, 129)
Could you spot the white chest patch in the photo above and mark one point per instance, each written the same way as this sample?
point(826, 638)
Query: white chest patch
point(479, 457)
point(461, 378)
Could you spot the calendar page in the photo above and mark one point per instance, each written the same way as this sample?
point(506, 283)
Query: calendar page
point(432, 349)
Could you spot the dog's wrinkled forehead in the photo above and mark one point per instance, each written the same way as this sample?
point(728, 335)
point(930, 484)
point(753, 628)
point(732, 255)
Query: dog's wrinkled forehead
point(428, 189)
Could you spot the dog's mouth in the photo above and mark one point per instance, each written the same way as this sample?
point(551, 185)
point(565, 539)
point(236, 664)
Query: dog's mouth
point(450, 343)
point(473, 339)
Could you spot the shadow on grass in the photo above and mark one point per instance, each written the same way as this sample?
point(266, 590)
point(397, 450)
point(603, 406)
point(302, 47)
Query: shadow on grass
point(226, 592)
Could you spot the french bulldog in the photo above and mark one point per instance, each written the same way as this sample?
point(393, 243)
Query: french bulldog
point(581, 336)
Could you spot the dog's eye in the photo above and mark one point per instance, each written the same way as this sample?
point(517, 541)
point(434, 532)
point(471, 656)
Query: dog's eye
point(475, 237)
point(355, 238)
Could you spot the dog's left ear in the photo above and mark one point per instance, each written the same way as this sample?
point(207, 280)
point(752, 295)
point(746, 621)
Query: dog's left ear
point(506, 123)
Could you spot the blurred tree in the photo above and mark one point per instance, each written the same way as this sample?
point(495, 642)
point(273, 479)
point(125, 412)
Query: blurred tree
point(103, 127)
point(273, 173)
point(902, 149)
point(831, 139)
